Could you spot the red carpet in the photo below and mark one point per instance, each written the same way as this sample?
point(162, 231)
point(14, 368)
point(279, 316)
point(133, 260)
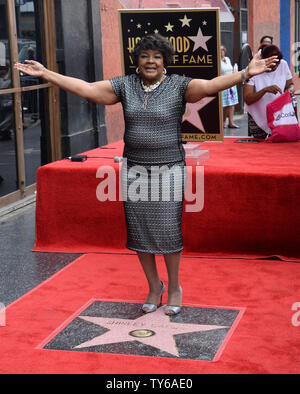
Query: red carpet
point(251, 206)
point(264, 341)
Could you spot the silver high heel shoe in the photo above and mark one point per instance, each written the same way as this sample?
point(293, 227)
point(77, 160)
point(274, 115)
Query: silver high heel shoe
point(148, 308)
point(172, 310)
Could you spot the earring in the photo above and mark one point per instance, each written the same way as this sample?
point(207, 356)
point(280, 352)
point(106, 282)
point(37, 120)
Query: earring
point(165, 71)
point(137, 70)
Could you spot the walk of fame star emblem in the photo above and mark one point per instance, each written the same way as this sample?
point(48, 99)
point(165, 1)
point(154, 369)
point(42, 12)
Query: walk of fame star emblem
point(194, 36)
point(197, 333)
point(192, 114)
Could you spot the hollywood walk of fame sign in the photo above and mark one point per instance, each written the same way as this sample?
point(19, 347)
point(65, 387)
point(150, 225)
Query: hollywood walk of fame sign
point(197, 333)
point(194, 34)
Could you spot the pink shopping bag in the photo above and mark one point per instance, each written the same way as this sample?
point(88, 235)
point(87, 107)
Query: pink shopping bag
point(282, 120)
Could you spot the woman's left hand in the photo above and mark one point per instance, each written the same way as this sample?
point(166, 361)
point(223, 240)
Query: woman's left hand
point(259, 66)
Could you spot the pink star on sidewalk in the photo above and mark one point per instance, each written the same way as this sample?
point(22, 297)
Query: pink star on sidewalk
point(153, 329)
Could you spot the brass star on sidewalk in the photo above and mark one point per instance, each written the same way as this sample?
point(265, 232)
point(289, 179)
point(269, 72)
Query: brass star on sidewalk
point(153, 329)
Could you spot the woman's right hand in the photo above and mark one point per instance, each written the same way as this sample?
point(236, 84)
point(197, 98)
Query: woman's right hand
point(273, 89)
point(33, 68)
point(251, 96)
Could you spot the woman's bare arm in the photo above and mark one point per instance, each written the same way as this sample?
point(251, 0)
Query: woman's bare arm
point(251, 96)
point(290, 86)
point(99, 92)
point(199, 88)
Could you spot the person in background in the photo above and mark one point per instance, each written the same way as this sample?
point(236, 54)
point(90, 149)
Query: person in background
point(30, 53)
point(262, 89)
point(229, 96)
point(266, 40)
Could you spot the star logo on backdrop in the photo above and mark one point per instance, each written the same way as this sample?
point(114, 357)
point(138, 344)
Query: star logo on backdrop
point(169, 27)
point(153, 329)
point(200, 40)
point(192, 113)
point(185, 21)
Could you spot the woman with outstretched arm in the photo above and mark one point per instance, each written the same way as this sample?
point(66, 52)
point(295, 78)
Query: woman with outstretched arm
point(153, 104)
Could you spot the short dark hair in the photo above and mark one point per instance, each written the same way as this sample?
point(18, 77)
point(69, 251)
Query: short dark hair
point(155, 42)
point(271, 50)
point(262, 39)
point(262, 46)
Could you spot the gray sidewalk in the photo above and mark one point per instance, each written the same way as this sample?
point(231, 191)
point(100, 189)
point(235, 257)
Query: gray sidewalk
point(21, 270)
point(242, 121)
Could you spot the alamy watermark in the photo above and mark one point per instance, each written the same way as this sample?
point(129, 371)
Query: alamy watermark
point(2, 315)
point(157, 183)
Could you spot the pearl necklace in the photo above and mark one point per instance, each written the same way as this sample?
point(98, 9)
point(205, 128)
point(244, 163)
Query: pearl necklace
point(149, 89)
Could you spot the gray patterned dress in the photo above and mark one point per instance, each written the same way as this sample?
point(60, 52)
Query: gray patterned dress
point(153, 174)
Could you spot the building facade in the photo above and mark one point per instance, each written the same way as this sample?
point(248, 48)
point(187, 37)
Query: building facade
point(38, 123)
point(277, 18)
